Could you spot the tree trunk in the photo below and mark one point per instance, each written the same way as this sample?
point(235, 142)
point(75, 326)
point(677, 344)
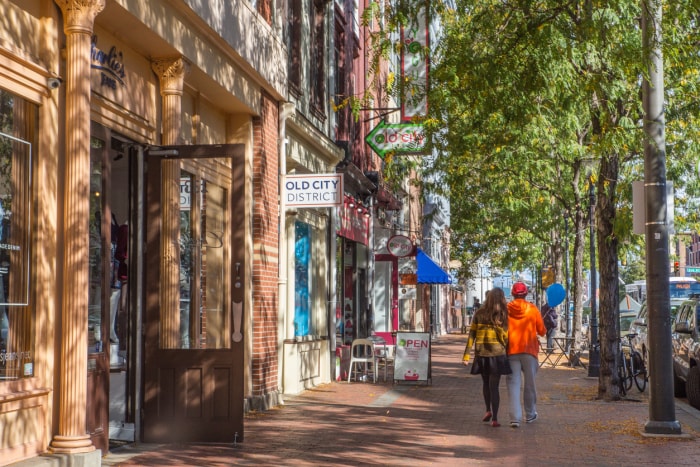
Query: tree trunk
point(608, 320)
point(577, 277)
point(579, 220)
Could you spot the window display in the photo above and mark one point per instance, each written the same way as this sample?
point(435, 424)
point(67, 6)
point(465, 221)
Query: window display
point(18, 126)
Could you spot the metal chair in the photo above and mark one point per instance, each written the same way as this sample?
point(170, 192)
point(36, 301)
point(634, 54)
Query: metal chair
point(362, 353)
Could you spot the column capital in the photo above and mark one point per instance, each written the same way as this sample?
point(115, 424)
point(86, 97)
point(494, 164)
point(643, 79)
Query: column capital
point(171, 73)
point(79, 15)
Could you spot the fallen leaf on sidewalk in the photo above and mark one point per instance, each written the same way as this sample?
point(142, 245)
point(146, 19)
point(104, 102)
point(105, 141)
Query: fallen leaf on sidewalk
point(635, 428)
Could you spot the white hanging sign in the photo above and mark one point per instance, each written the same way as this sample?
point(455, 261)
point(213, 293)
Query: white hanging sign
point(313, 190)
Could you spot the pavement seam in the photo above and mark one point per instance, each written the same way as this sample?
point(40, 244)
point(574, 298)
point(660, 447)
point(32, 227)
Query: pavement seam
point(389, 397)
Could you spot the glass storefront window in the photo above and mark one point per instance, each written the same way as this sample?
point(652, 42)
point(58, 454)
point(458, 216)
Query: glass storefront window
point(204, 319)
point(187, 251)
point(18, 129)
point(302, 297)
point(95, 292)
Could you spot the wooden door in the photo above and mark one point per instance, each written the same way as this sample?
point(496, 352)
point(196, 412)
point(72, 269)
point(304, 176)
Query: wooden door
point(193, 381)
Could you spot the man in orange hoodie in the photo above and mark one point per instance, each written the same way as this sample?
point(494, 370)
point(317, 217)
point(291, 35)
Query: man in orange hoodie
point(524, 325)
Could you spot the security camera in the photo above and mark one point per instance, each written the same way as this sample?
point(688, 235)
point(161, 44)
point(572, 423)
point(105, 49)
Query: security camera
point(54, 83)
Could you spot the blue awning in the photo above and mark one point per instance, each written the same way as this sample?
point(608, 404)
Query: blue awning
point(429, 272)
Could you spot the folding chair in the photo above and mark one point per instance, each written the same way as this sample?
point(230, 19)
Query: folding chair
point(549, 354)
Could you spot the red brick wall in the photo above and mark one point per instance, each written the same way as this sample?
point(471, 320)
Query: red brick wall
point(264, 369)
point(265, 10)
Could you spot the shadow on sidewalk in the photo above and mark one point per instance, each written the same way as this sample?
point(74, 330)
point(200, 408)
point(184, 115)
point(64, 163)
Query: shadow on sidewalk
point(440, 424)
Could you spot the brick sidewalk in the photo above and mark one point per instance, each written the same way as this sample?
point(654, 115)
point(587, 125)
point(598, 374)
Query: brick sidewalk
point(440, 424)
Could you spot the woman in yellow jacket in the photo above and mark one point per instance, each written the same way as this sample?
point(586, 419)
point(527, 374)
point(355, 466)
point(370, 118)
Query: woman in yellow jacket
point(488, 334)
point(524, 325)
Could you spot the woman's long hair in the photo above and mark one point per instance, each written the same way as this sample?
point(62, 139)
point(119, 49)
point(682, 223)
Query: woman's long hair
point(495, 309)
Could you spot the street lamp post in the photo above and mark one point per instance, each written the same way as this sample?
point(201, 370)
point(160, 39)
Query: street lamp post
point(662, 411)
point(594, 352)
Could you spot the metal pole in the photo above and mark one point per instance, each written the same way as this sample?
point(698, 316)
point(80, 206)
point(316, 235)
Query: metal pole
point(333, 292)
point(481, 276)
point(594, 351)
point(566, 275)
point(662, 412)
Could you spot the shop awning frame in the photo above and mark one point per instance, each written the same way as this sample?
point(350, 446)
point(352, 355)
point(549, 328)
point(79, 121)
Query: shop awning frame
point(429, 272)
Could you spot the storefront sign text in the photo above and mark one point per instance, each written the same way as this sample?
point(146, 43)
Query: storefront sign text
point(412, 356)
point(313, 190)
point(400, 246)
point(109, 64)
point(6, 357)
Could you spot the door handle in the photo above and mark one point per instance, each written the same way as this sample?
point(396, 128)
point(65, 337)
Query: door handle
point(237, 318)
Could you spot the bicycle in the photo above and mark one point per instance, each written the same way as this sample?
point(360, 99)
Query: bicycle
point(631, 367)
point(638, 368)
point(622, 371)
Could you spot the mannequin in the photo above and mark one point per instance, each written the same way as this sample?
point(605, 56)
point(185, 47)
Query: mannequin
point(120, 238)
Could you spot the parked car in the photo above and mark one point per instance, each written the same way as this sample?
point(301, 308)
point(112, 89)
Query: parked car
point(639, 327)
point(686, 352)
point(627, 317)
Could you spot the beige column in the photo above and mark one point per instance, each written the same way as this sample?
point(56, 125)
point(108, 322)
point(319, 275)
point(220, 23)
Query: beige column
point(171, 73)
point(79, 17)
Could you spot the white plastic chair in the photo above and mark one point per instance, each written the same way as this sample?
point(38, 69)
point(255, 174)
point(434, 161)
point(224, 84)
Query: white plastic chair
point(362, 353)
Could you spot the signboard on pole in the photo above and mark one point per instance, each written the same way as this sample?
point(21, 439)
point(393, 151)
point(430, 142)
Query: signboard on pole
point(412, 361)
point(547, 277)
point(313, 190)
point(397, 138)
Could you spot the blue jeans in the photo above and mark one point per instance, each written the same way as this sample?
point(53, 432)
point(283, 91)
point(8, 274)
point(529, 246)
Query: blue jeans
point(550, 339)
point(527, 365)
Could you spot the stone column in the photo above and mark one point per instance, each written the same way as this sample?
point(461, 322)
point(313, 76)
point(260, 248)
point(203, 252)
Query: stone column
point(79, 17)
point(171, 73)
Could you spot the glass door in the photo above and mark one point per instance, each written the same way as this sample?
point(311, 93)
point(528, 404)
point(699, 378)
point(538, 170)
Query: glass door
point(194, 294)
point(111, 327)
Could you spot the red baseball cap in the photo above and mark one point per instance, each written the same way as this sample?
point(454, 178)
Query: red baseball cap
point(519, 288)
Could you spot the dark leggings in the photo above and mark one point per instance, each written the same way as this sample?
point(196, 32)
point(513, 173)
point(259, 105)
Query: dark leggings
point(491, 396)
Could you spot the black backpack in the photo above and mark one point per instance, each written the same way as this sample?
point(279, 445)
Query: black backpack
point(550, 318)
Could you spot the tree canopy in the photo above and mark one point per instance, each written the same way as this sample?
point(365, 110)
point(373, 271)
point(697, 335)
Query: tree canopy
point(531, 102)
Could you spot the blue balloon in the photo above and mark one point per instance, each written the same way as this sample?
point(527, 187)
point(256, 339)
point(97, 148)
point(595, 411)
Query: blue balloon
point(555, 294)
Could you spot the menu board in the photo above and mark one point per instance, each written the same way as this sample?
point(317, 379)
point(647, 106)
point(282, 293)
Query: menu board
point(412, 361)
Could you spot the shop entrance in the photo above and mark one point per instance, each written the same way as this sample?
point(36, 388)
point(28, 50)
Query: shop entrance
point(193, 294)
point(112, 324)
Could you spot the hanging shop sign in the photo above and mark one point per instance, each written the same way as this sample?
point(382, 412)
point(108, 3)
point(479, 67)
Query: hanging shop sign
point(313, 190)
point(400, 246)
point(396, 138)
point(415, 39)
